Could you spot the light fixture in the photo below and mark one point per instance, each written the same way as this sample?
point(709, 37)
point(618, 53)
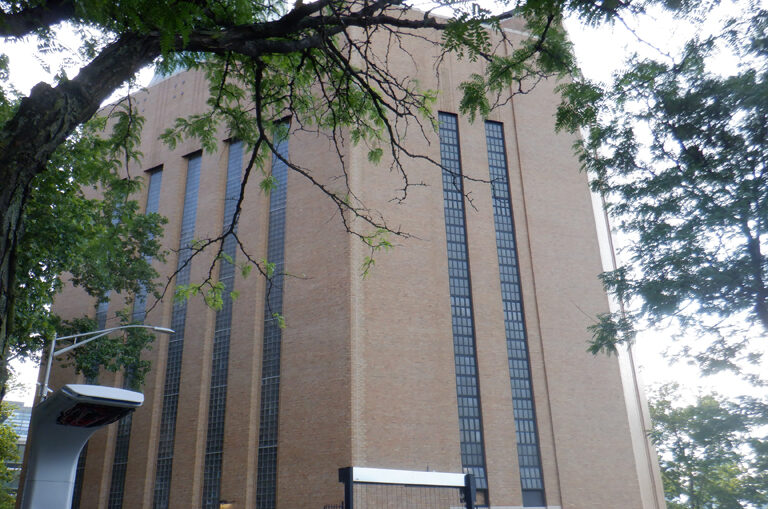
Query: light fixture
point(91, 336)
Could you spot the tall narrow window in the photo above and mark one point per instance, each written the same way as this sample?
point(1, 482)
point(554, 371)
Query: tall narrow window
point(101, 313)
point(176, 341)
point(266, 480)
point(467, 388)
point(101, 322)
point(528, 453)
point(153, 205)
point(122, 441)
point(217, 398)
point(79, 472)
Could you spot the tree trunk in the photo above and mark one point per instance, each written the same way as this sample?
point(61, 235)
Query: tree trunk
point(17, 183)
point(760, 291)
point(41, 124)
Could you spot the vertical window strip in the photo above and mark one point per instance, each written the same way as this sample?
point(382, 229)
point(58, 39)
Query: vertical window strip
point(120, 462)
point(101, 313)
point(122, 441)
point(176, 341)
point(523, 408)
point(79, 472)
point(266, 481)
point(153, 205)
point(220, 363)
point(101, 323)
point(467, 388)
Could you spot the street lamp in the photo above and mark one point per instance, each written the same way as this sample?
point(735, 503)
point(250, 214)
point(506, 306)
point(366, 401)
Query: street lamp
point(62, 424)
point(59, 428)
point(91, 336)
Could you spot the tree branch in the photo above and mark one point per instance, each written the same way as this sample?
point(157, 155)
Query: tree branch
point(21, 23)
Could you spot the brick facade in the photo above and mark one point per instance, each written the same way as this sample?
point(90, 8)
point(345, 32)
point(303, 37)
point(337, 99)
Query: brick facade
point(367, 364)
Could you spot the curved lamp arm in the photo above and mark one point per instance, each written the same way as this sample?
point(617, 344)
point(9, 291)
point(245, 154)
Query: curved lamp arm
point(92, 336)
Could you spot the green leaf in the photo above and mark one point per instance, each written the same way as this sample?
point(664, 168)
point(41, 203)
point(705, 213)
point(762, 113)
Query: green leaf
point(374, 155)
point(280, 320)
point(268, 183)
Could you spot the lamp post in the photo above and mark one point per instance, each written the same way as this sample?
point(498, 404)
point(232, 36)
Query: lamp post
point(91, 336)
point(62, 424)
point(59, 428)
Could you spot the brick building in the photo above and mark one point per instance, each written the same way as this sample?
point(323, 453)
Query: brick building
point(488, 301)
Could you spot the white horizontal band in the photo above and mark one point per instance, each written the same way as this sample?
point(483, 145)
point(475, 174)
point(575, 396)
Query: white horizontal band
point(387, 476)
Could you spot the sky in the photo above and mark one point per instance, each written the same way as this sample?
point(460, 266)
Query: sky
point(600, 52)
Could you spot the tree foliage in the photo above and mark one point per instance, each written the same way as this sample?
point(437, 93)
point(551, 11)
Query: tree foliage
point(113, 354)
point(101, 240)
point(9, 453)
point(678, 148)
point(714, 453)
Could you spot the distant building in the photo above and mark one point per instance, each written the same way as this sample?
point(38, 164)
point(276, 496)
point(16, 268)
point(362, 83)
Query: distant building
point(464, 349)
point(19, 418)
point(19, 421)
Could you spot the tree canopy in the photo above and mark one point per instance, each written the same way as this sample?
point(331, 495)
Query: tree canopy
point(9, 454)
point(677, 146)
point(713, 453)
